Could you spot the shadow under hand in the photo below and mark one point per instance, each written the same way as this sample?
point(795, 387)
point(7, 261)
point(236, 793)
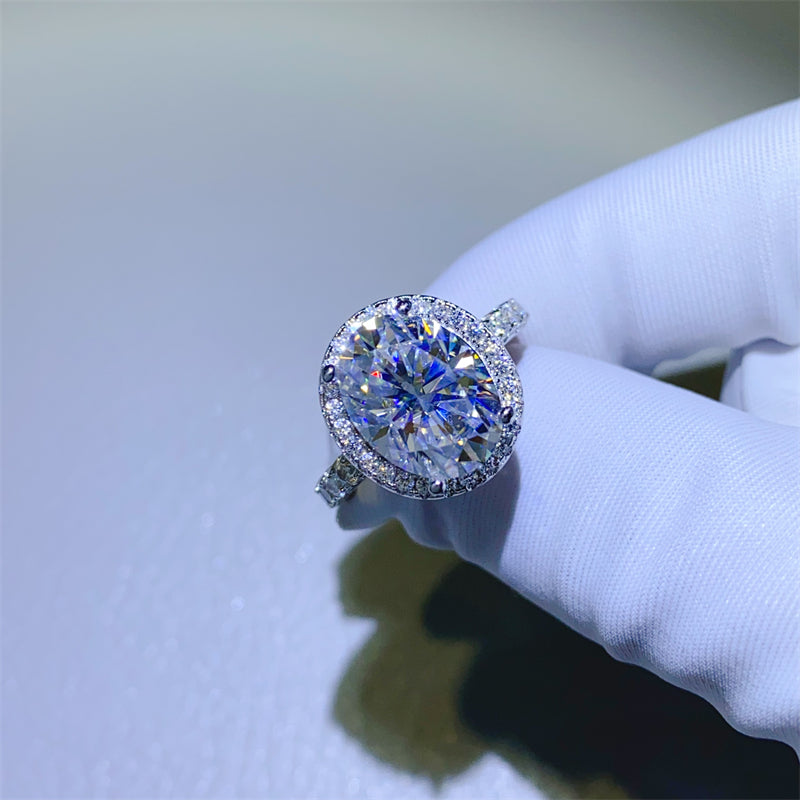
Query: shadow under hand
point(460, 665)
point(398, 696)
point(547, 690)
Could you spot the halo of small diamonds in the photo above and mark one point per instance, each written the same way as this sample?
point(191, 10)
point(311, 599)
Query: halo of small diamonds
point(479, 335)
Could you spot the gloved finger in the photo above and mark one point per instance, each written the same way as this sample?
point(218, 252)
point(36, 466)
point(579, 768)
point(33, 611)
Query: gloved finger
point(659, 523)
point(693, 247)
point(764, 379)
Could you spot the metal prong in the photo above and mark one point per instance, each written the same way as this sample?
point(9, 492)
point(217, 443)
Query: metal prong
point(403, 306)
point(507, 414)
point(437, 487)
point(327, 373)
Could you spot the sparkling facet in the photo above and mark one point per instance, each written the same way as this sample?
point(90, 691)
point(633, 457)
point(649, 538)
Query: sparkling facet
point(506, 320)
point(339, 482)
point(419, 394)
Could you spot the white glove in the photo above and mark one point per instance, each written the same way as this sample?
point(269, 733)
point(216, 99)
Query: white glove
point(659, 523)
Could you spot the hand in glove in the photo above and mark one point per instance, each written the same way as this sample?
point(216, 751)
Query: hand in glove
point(659, 523)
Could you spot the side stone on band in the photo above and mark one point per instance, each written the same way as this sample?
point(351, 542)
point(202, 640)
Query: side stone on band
point(339, 482)
point(421, 396)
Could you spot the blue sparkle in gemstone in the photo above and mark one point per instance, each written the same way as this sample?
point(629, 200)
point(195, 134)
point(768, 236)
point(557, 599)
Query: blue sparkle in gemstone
point(419, 395)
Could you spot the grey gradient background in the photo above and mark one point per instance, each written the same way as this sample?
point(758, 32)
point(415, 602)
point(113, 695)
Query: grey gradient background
point(194, 196)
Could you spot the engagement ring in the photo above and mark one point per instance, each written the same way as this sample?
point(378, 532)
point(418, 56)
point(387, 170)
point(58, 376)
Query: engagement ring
point(420, 396)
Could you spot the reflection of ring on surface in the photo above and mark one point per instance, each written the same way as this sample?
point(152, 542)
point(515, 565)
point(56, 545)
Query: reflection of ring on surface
point(421, 396)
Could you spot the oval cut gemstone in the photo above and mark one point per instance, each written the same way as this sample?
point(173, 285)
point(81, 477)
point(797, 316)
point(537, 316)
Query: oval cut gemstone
point(419, 395)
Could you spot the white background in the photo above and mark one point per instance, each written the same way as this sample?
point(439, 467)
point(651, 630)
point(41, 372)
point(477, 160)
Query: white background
point(194, 197)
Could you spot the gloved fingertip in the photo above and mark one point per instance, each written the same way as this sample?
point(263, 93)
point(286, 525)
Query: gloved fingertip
point(369, 507)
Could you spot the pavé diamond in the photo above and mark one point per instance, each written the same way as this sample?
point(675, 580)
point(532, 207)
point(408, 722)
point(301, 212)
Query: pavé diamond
point(419, 395)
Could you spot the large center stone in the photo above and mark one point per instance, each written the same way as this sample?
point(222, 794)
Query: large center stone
point(420, 396)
